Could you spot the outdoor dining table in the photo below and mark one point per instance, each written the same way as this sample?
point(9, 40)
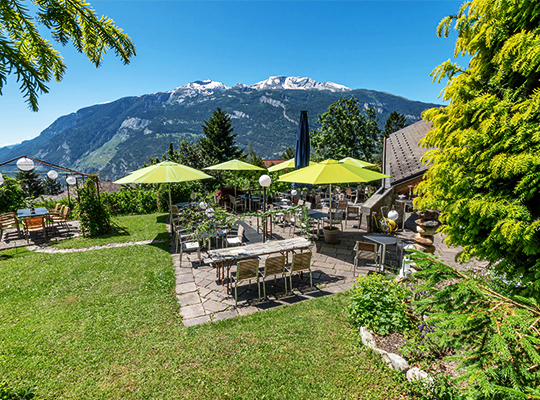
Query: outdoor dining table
point(384, 240)
point(318, 215)
point(249, 199)
point(27, 213)
point(225, 258)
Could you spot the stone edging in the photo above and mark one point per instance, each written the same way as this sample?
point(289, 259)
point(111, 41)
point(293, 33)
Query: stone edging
point(394, 361)
point(51, 250)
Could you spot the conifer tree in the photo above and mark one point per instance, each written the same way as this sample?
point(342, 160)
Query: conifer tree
point(394, 123)
point(30, 183)
point(485, 175)
point(51, 186)
point(219, 140)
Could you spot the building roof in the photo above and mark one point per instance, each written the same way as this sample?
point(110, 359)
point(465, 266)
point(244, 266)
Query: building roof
point(269, 163)
point(403, 153)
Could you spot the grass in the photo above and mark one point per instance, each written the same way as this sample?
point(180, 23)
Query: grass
point(104, 324)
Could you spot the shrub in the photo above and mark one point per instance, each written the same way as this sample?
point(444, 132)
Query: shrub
point(11, 195)
point(131, 200)
point(94, 217)
point(380, 305)
point(8, 393)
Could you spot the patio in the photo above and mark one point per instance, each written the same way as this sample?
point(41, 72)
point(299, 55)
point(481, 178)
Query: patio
point(202, 297)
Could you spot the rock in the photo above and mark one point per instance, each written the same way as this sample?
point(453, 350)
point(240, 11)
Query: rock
point(416, 374)
point(427, 240)
point(424, 230)
point(367, 337)
point(424, 248)
point(398, 362)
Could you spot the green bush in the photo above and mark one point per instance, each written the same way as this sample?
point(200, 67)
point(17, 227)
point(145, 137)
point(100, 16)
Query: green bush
point(131, 200)
point(380, 305)
point(8, 393)
point(11, 195)
point(94, 217)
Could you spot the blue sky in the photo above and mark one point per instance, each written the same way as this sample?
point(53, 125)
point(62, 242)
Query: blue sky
point(389, 46)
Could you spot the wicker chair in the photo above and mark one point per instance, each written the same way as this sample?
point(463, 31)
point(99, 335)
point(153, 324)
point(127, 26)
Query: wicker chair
point(366, 251)
point(246, 270)
point(34, 224)
point(274, 266)
point(300, 262)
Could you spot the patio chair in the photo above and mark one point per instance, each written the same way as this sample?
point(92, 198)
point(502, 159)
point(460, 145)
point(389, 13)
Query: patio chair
point(350, 195)
point(342, 206)
point(34, 224)
point(274, 266)
point(337, 218)
point(300, 262)
point(9, 220)
point(189, 242)
point(238, 239)
point(236, 203)
point(366, 251)
point(354, 211)
point(55, 210)
point(246, 270)
point(62, 218)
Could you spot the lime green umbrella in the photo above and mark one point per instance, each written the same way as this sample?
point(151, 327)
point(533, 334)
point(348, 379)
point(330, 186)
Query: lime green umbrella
point(331, 171)
point(355, 162)
point(235, 165)
point(164, 172)
point(285, 165)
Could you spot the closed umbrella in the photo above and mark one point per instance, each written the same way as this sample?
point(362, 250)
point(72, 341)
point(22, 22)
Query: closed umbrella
point(164, 172)
point(235, 165)
point(329, 172)
point(302, 149)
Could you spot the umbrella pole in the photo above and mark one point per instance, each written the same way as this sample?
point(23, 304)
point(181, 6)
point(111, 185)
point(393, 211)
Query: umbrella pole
point(170, 208)
point(330, 195)
point(235, 184)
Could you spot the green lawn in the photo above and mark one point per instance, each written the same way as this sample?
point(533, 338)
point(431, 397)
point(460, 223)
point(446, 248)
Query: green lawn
point(104, 324)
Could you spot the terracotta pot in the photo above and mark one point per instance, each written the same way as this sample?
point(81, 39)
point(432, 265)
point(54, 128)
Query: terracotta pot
point(330, 234)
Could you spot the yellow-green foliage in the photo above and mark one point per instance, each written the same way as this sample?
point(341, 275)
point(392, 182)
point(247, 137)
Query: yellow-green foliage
point(486, 162)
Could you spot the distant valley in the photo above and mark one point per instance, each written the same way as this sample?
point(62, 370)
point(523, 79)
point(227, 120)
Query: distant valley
point(117, 137)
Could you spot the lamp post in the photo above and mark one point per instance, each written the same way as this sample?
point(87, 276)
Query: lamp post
point(264, 181)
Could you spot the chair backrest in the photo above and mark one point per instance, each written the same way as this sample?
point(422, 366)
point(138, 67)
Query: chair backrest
point(35, 223)
point(274, 265)
point(247, 269)
point(8, 218)
point(65, 212)
point(174, 210)
point(342, 205)
point(308, 205)
point(366, 250)
point(301, 261)
point(300, 202)
point(348, 190)
point(353, 210)
point(241, 232)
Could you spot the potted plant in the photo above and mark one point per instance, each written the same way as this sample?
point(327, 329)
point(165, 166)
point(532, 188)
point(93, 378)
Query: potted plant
point(330, 234)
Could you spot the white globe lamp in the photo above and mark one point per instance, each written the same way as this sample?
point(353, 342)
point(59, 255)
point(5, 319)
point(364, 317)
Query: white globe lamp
point(71, 180)
point(393, 215)
point(25, 164)
point(294, 192)
point(265, 181)
point(1, 179)
point(52, 174)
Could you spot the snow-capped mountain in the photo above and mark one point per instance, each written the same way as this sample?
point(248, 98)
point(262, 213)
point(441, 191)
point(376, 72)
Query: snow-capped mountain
point(298, 83)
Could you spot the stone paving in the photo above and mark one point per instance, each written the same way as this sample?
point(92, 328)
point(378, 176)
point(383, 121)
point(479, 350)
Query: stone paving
point(10, 238)
point(202, 298)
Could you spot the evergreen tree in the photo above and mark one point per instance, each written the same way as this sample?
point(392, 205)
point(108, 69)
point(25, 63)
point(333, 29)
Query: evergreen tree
point(51, 186)
point(30, 183)
point(219, 140)
point(346, 131)
point(394, 123)
point(485, 175)
point(288, 153)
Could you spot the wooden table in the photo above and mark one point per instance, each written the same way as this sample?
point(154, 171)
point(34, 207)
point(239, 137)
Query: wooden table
point(225, 258)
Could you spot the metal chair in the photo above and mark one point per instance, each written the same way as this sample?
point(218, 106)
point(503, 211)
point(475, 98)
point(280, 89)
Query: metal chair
point(300, 262)
point(354, 211)
point(189, 242)
point(246, 270)
point(366, 251)
point(274, 266)
point(236, 203)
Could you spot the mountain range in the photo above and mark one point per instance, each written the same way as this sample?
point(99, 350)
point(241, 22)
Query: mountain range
point(118, 137)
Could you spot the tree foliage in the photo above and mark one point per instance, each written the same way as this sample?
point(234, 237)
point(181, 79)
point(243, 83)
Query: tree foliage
point(496, 336)
point(219, 140)
point(394, 123)
point(486, 143)
point(32, 58)
point(11, 195)
point(94, 217)
point(51, 186)
point(346, 131)
point(30, 182)
point(287, 154)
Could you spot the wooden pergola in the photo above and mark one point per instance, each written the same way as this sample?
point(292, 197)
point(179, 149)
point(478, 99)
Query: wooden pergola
point(69, 172)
